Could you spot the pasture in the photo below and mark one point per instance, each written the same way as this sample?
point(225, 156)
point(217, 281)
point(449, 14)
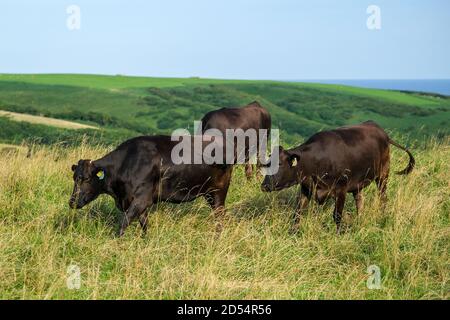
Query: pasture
point(181, 256)
point(254, 257)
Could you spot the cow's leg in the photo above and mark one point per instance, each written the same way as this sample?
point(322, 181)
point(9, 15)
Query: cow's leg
point(300, 210)
point(143, 219)
point(382, 188)
point(133, 211)
point(248, 165)
point(217, 202)
point(248, 170)
point(136, 209)
point(260, 154)
point(337, 214)
point(359, 201)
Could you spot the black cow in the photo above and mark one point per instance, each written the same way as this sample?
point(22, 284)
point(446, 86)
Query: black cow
point(140, 172)
point(252, 116)
point(333, 163)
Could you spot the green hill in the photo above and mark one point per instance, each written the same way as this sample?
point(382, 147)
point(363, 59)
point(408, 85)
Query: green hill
point(128, 106)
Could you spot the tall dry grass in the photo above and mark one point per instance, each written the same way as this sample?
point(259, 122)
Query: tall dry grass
point(254, 257)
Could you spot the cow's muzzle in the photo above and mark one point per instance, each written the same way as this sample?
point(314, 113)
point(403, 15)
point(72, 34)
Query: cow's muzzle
point(74, 203)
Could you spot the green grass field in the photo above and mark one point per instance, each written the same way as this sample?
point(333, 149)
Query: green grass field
point(181, 256)
point(129, 106)
point(254, 257)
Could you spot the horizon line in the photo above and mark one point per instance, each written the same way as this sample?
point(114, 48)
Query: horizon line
point(225, 78)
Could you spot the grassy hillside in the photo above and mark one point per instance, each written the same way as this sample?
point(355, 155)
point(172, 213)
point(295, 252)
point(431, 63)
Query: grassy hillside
point(182, 256)
point(254, 257)
point(129, 106)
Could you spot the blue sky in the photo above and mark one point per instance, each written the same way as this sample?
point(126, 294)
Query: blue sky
point(250, 39)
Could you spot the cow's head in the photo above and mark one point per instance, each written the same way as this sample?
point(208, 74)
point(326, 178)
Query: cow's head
point(285, 176)
point(88, 183)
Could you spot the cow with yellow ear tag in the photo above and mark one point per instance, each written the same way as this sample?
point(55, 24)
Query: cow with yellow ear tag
point(145, 170)
point(88, 178)
point(333, 163)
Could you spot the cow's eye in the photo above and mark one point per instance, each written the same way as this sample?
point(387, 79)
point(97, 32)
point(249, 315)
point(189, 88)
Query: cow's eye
point(81, 179)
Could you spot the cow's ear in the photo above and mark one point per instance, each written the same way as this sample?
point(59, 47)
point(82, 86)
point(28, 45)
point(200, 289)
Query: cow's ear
point(293, 160)
point(74, 167)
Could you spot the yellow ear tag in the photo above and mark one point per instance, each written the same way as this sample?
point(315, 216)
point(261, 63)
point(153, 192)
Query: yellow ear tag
point(101, 175)
point(294, 162)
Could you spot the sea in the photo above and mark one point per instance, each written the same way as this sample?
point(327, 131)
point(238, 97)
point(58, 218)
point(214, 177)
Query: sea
point(438, 86)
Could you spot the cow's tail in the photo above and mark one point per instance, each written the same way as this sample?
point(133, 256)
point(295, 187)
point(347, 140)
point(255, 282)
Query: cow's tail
point(412, 161)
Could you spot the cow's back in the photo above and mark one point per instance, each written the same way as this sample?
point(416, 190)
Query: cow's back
point(186, 181)
point(354, 152)
point(252, 116)
point(149, 158)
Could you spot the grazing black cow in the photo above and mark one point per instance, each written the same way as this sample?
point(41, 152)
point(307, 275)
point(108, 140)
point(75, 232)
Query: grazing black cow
point(252, 116)
point(140, 172)
point(333, 163)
